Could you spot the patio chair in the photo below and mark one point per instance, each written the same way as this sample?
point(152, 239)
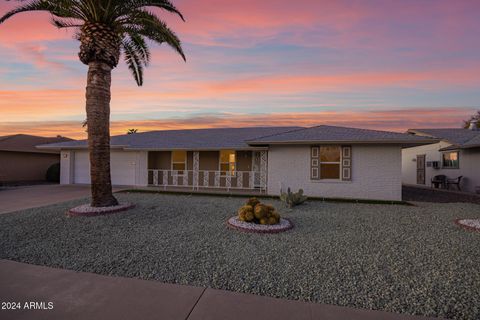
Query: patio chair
point(439, 181)
point(454, 182)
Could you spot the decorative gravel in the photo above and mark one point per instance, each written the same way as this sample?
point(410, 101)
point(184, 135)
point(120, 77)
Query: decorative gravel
point(473, 224)
point(283, 225)
point(88, 210)
point(406, 259)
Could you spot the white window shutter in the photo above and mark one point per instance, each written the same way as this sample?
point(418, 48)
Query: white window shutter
point(346, 163)
point(315, 163)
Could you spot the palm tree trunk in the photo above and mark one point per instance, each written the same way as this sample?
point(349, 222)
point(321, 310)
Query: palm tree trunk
point(98, 122)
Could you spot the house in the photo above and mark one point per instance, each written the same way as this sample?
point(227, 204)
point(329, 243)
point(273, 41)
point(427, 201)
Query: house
point(22, 162)
point(326, 161)
point(456, 154)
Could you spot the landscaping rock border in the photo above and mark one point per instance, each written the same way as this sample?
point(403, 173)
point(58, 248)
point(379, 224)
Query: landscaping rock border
point(284, 225)
point(87, 210)
point(469, 224)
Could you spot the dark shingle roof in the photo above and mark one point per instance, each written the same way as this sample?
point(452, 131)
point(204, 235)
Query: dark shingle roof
point(242, 138)
point(196, 139)
point(27, 143)
point(459, 138)
point(332, 134)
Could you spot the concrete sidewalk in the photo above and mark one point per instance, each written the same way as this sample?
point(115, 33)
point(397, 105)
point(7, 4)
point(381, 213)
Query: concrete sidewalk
point(79, 295)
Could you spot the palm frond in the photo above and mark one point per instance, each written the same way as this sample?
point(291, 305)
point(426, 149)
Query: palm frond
point(59, 8)
point(133, 61)
point(65, 23)
point(148, 25)
point(140, 46)
point(162, 4)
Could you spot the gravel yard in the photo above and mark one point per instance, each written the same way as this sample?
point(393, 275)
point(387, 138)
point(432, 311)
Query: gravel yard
point(406, 259)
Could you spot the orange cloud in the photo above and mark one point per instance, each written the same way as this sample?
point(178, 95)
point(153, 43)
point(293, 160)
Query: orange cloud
point(394, 120)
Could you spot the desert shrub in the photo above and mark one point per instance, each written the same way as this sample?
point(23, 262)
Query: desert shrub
point(53, 173)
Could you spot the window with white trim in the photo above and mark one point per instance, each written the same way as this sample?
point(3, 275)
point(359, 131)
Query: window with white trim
point(450, 160)
point(227, 162)
point(179, 161)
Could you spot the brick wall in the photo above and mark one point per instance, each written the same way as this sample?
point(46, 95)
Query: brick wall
point(376, 173)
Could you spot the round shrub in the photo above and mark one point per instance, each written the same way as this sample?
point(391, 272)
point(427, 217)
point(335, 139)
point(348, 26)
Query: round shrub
point(53, 173)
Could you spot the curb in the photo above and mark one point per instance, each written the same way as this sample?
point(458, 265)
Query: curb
point(105, 211)
point(261, 231)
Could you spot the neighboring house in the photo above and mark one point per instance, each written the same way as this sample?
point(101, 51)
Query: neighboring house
point(325, 161)
point(21, 161)
point(457, 154)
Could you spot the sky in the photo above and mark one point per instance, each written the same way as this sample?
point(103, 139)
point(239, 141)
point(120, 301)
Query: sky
point(379, 64)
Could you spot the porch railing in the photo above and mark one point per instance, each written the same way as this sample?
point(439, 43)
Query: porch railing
point(207, 179)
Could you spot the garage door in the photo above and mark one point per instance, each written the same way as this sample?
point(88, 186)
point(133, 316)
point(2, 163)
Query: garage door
point(122, 165)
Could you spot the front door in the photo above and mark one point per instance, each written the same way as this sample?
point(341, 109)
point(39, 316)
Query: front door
point(421, 169)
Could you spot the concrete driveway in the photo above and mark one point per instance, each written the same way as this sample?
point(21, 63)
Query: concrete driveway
point(21, 198)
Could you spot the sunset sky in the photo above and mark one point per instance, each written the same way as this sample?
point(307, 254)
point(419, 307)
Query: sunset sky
point(372, 64)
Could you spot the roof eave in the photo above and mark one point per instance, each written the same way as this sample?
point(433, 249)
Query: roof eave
point(471, 146)
point(304, 142)
point(197, 149)
point(49, 151)
point(47, 147)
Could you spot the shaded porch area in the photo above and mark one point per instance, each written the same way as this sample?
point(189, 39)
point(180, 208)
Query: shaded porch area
point(213, 170)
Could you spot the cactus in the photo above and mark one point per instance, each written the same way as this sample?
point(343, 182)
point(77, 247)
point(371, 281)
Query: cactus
point(272, 220)
point(252, 202)
point(292, 199)
point(241, 216)
point(255, 212)
point(270, 208)
point(276, 215)
point(249, 217)
point(244, 209)
point(260, 211)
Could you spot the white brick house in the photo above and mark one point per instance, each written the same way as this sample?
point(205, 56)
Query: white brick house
point(325, 161)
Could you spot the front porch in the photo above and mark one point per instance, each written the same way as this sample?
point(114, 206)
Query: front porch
point(218, 170)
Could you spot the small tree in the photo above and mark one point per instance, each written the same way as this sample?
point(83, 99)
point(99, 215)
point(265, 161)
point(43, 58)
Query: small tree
point(466, 124)
point(106, 29)
point(132, 131)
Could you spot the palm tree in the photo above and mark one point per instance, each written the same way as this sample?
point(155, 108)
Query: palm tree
point(105, 28)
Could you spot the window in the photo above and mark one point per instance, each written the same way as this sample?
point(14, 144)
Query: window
point(330, 162)
point(179, 161)
point(450, 160)
point(227, 162)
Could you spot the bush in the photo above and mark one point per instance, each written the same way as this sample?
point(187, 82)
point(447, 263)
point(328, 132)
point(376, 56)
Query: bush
point(53, 173)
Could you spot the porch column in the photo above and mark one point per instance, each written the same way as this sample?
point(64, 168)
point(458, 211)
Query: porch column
point(263, 169)
point(196, 166)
